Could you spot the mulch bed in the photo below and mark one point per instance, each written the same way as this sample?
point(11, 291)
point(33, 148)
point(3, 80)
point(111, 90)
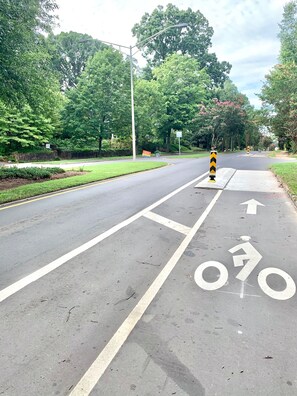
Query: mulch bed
point(6, 184)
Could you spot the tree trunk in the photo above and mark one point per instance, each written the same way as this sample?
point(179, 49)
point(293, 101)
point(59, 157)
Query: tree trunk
point(168, 140)
point(100, 145)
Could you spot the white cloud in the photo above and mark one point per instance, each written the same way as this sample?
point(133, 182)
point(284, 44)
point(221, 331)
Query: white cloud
point(245, 31)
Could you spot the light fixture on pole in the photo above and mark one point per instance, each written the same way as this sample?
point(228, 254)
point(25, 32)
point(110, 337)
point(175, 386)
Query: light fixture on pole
point(131, 54)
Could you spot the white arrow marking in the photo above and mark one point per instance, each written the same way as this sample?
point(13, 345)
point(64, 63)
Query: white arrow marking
point(252, 206)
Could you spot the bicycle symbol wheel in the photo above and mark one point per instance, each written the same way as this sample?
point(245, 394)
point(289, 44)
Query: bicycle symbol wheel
point(285, 294)
point(222, 279)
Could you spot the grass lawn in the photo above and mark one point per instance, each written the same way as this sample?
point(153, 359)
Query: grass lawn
point(287, 172)
point(95, 173)
point(281, 153)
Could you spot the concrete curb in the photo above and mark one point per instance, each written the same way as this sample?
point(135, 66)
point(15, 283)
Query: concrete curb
point(223, 177)
point(287, 190)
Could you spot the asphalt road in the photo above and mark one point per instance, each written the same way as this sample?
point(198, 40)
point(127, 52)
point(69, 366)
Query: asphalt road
point(150, 285)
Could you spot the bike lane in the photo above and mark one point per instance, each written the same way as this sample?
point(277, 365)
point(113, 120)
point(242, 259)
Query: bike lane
point(237, 339)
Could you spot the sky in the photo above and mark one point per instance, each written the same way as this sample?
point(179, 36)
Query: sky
point(245, 31)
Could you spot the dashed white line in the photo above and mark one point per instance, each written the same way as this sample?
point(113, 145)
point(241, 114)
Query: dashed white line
point(168, 223)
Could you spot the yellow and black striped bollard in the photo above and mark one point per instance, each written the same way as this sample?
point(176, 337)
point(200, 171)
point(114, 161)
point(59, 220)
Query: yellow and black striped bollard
point(213, 166)
point(248, 149)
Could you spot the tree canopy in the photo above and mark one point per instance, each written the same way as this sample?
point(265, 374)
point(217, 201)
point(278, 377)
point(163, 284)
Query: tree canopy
point(74, 91)
point(288, 33)
point(193, 40)
point(279, 92)
point(183, 86)
point(222, 123)
point(100, 104)
point(29, 91)
point(21, 44)
point(150, 112)
point(69, 55)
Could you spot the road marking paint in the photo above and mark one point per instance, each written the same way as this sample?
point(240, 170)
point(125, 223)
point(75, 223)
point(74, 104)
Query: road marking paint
point(252, 205)
point(285, 294)
point(95, 372)
point(252, 258)
point(239, 332)
point(168, 223)
point(17, 286)
point(245, 238)
point(222, 279)
point(237, 294)
point(242, 290)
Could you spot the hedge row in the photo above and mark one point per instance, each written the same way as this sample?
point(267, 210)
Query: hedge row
point(77, 154)
point(28, 173)
point(51, 155)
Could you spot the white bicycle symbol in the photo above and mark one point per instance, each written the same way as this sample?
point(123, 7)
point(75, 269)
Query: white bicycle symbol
point(252, 258)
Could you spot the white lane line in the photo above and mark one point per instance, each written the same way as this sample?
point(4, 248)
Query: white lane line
point(242, 290)
point(34, 276)
point(168, 223)
point(94, 373)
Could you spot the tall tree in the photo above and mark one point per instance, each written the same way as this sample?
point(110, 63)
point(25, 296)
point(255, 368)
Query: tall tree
point(100, 105)
point(150, 112)
point(221, 124)
point(21, 44)
point(29, 90)
point(194, 40)
point(279, 91)
point(183, 86)
point(288, 33)
point(69, 55)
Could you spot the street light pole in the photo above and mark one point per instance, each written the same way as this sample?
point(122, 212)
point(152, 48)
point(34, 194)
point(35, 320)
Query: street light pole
point(130, 48)
point(132, 106)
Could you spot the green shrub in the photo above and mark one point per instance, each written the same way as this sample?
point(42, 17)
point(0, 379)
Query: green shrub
point(31, 173)
point(183, 149)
